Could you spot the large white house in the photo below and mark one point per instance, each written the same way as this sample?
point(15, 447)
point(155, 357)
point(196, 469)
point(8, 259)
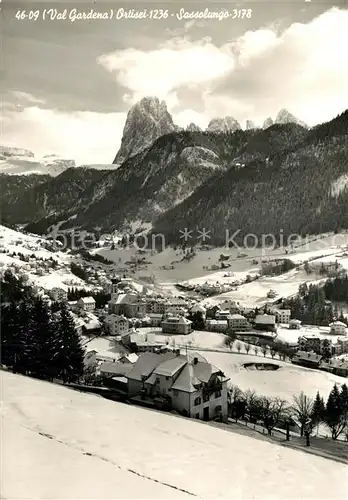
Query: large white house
point(338, 328)
point(194, 387)
point(294, 324)
point(238, 323)
point(86, 303)
point(282, 315)
point(265, 321)
point(116, 325)
point(177, 324)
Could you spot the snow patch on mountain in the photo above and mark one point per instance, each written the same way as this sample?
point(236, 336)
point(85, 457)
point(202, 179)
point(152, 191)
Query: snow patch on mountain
point(199, 156)
point(339, 185)
point(10, 152)
point(17, 161)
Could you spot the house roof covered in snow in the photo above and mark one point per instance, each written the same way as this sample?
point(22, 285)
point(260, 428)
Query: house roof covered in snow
point(146, 364)
point(115, 368)
point(338, 323)
point(116, 318)
point(235, 316)
point(87, 300)
point(192, 372)
point(307, 356)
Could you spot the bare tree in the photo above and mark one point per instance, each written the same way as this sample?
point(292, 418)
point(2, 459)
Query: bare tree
point(257, 350)
point(264, 350)
point(235, 394)
point(273, 353)
point(252, 403)
point(239, 347)
point(301, 409)
point(236, 402)
point(247, 348)
point(273, 411)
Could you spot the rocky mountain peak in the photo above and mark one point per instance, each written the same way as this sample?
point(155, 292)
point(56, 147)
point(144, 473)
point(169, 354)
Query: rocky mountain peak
point(226, 124)
point(146, 121)
point(193, 128)
point(250, 125)
point(268, 123)
point(284, 117)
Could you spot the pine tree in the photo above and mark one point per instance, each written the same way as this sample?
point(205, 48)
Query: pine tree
point(344, 403)
point(335, 417)
point(24, 361)
point(44, 333)
point(318, 410)
point(69, 356)
point(9, 334)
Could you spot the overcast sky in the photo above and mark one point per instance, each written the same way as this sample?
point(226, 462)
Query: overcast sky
point(68, 86)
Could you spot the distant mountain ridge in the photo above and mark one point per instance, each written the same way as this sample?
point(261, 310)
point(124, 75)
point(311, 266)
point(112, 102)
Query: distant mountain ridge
point(211, 177)
point(293, 181)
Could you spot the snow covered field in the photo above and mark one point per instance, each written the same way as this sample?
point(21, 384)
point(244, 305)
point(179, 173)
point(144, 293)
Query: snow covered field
point(285, 382)
point(255, 293)
point(60, 444)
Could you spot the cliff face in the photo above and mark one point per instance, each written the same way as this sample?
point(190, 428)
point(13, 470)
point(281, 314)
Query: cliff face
point(146, 121)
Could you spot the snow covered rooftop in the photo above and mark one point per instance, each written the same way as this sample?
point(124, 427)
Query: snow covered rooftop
point(88, 300)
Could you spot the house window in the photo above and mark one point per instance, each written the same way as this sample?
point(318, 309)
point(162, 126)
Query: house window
point(175, 392)
point(218, 394)
point(157, 380)
point(167, 378)
point(197, 416)
point(198, 401)
point(218, 409)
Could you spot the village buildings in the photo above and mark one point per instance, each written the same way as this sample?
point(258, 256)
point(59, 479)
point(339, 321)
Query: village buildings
point(86, 303)
point(177, 324)
point(282, 315)
point(307, 359)
point(58, 294)
point(338, 328)
point(130, 305)
point(142, 342)
point(265, 322)
point(116, 325)
point(238, 323)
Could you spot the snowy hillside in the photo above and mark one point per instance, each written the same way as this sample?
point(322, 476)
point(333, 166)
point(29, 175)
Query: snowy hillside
point(60, 444)
point(37, 268)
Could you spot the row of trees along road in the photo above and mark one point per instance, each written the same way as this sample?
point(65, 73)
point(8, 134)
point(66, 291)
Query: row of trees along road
point(34, 340)
point(306, 412)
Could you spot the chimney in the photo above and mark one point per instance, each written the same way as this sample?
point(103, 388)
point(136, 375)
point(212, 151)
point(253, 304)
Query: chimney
point(195, 361)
